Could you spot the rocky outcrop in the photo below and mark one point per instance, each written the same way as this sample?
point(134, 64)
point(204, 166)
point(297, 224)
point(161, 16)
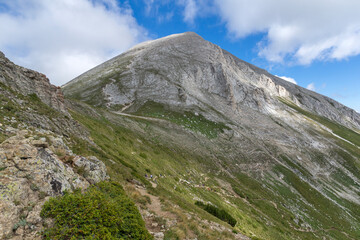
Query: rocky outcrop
point(27, 81)
point(36, 165)
point(93, 169)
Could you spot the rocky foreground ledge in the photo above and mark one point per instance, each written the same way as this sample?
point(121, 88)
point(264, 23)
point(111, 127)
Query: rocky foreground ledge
point(34, 166)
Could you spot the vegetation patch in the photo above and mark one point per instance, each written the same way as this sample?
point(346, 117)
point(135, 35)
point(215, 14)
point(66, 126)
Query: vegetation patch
point(190, 120)
point(217, 212)
point(102, 212)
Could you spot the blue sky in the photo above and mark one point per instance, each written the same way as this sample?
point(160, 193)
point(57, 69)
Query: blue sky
point(314, 42)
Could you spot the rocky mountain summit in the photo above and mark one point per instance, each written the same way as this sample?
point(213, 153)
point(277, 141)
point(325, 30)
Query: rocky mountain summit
point(187, 71)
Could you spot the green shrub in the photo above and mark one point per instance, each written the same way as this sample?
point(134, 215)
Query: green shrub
point(102, 212)
point(219, 213)
point(143, 155)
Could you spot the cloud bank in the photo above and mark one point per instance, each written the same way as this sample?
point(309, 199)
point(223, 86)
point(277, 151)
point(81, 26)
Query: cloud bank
point(296, 31)
point(64, 38)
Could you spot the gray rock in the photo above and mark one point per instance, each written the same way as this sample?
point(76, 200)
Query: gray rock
point(94, 169)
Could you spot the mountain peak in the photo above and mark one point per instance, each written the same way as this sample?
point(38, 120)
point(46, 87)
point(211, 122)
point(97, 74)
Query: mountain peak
point(185, 37)
point(186, 71)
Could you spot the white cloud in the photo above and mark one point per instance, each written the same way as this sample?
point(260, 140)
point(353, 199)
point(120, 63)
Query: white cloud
point(311, 87)
point(289, 79)
point(300, 31)
point(64, 38)
point(190, 10)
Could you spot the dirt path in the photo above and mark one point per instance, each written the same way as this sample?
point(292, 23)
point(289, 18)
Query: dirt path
point(140, 117)
point(155, 205)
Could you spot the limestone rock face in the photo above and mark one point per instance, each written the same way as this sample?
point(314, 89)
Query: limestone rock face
point(185, 71)
point(32, 169)
point(28, 81)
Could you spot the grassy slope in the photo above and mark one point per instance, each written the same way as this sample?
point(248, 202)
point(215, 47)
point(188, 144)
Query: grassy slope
point(260, 210)
point(348, 153)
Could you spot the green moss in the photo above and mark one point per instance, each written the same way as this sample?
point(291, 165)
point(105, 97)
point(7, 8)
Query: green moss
point(143, 155)
point(102, 212)
point(3, 137)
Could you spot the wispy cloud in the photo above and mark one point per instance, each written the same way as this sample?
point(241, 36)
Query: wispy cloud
point(165, 18)
point(311, 87)
point(64, 38)
point(190, 10)
point(155, 9)
point(149, 4)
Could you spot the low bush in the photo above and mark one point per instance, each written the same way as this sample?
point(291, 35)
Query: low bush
point(217, 212)
point(102, 212)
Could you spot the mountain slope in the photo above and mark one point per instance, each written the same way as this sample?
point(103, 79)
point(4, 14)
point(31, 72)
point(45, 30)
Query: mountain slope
point(290, 154)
